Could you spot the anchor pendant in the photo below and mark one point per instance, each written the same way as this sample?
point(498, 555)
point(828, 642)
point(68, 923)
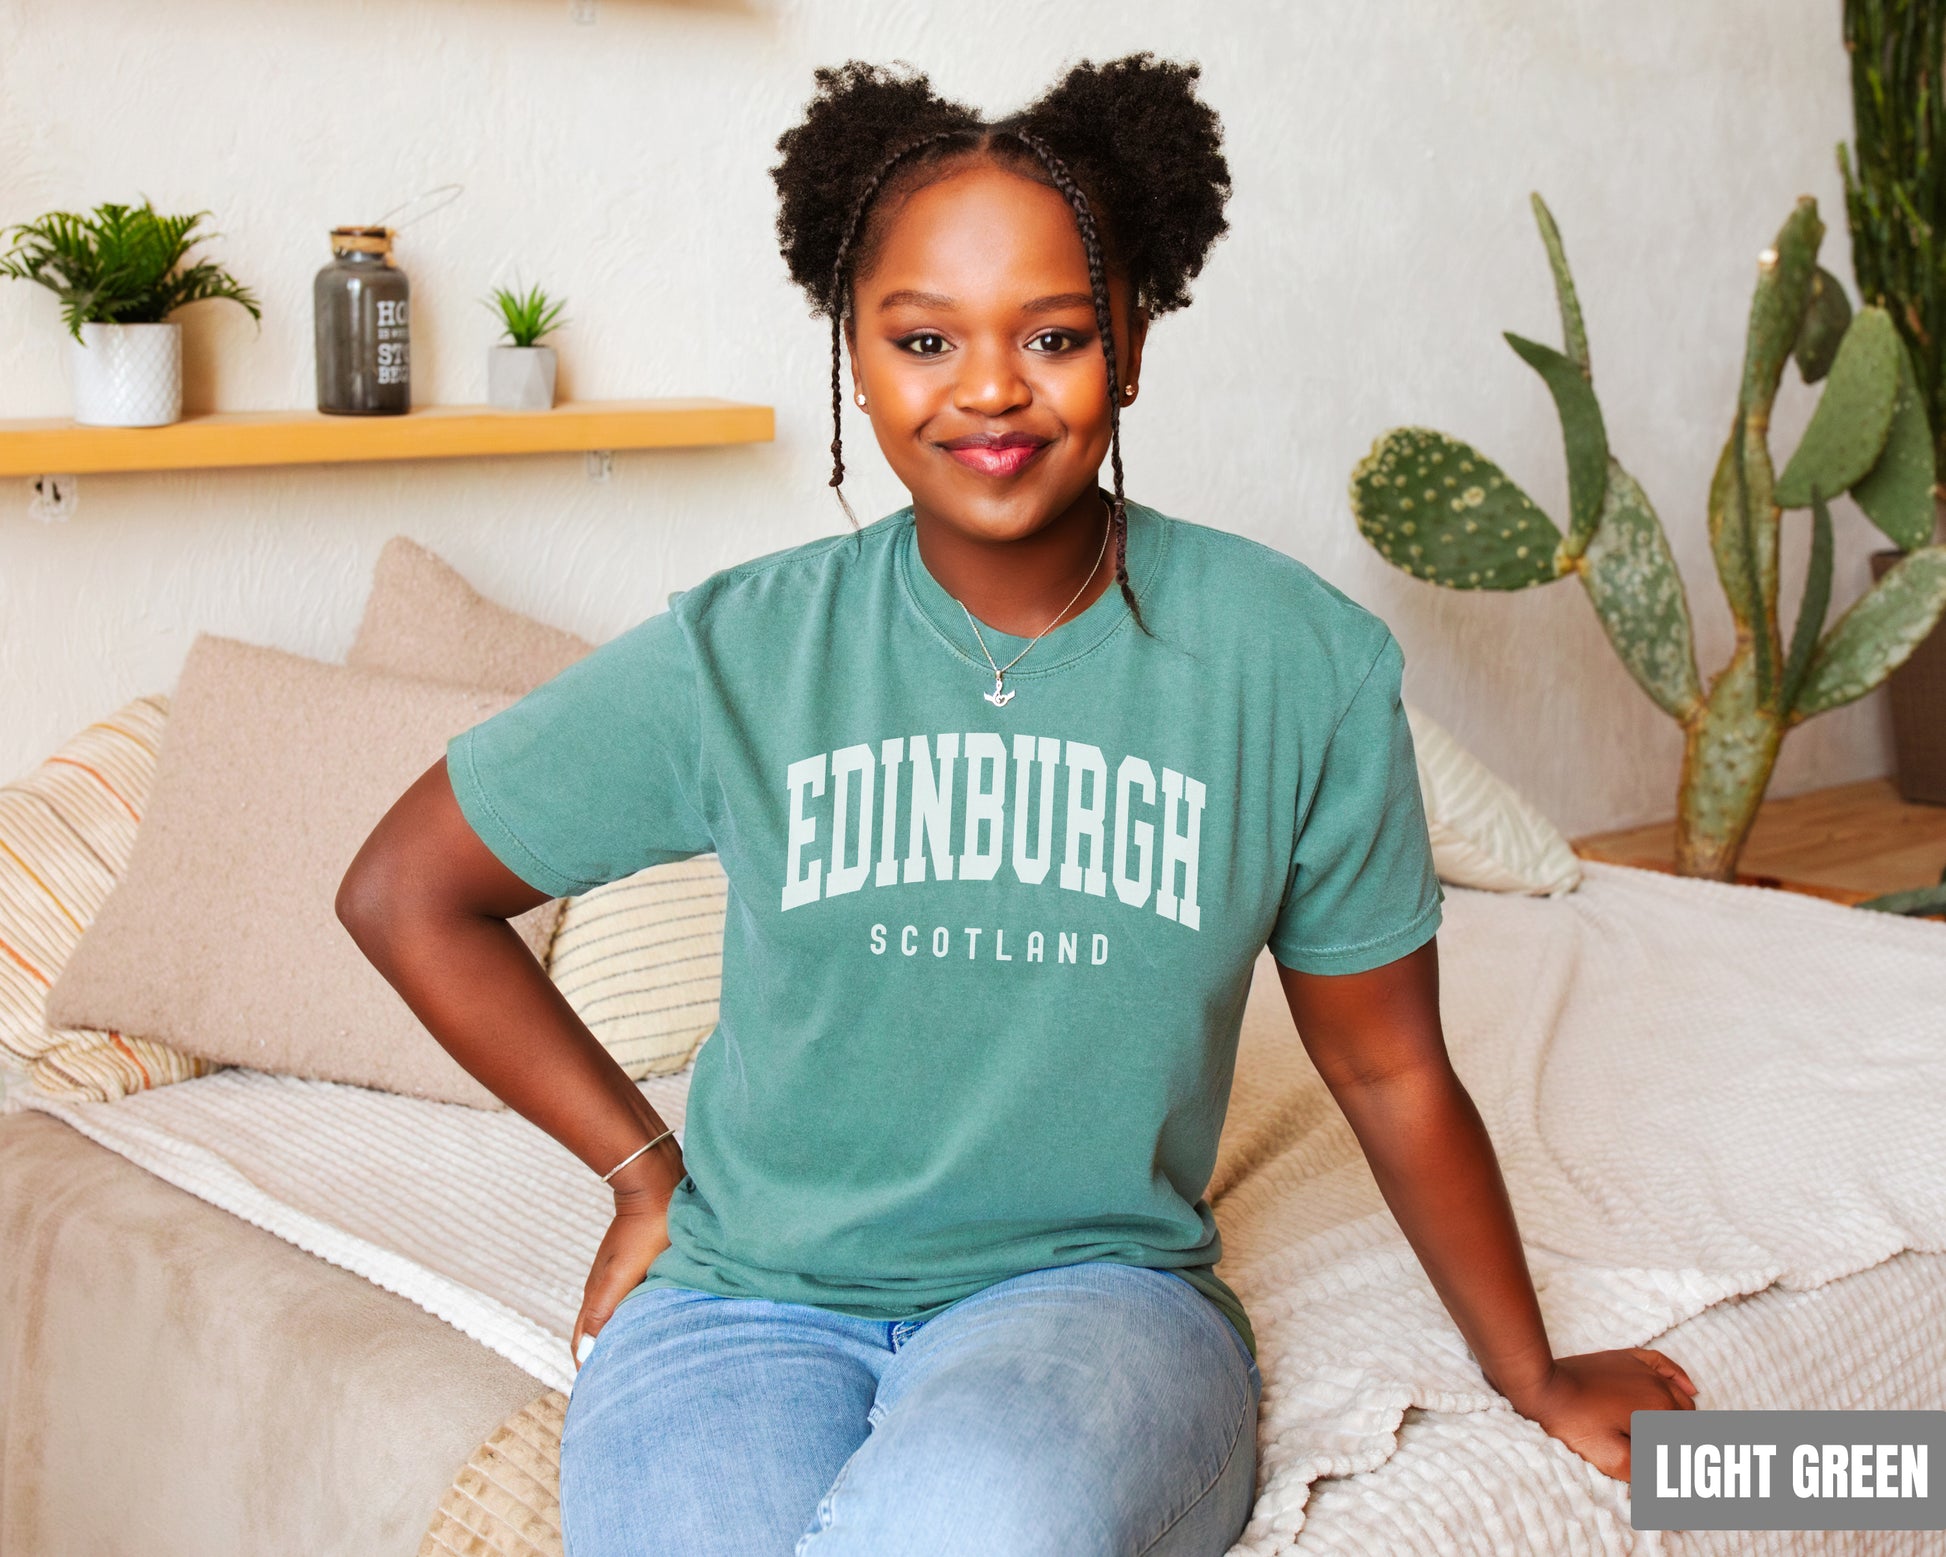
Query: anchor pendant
point(996, 697)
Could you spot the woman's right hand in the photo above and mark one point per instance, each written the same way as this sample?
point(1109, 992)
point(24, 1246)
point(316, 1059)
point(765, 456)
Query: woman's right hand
point(634, 1238)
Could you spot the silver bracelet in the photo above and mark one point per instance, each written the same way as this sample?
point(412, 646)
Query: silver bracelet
point(634, 1154)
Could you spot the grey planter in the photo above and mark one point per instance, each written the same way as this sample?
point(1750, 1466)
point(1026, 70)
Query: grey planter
point(521, 378)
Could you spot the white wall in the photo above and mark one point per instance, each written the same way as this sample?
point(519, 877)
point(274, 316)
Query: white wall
point(1382, 155)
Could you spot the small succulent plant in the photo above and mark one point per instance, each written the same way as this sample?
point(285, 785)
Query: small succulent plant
point(526, 316)
point(1442, 511)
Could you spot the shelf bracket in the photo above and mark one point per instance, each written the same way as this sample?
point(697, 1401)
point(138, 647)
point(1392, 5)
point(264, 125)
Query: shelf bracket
point(52, 499)
point(599, 464)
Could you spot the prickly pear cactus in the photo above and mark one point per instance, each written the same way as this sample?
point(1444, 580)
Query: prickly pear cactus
point(1826, 318)
point(1442, 511)
point(1847, 431)
point(1897, 493)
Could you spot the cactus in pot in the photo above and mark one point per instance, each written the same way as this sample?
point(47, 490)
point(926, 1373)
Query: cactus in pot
point(1442, 511)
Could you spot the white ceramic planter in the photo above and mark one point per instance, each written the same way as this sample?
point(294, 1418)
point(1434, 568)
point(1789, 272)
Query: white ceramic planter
point(127, 375)
point(521, 378)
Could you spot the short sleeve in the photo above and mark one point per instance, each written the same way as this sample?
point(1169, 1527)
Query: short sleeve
point(1362, 888)
point(594, 774)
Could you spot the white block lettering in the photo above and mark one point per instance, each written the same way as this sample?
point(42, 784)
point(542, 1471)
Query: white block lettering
point(1032, 868)
point(1180, 848)
point(848, 762)
point(805, 773)
point(932, 810)
point(1133, 890)
point(986, 801)
point(1086, 817)
point(891, 753)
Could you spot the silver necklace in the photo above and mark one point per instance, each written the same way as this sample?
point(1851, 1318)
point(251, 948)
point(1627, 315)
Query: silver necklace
point(997, 697)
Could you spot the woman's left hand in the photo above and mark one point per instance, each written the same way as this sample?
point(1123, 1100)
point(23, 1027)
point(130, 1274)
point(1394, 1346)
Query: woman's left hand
point(1585, 1401)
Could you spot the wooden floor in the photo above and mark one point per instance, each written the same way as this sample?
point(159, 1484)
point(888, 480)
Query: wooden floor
point(1849, 842)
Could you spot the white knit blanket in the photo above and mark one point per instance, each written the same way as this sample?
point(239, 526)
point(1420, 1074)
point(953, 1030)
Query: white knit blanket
point(1695, 1091)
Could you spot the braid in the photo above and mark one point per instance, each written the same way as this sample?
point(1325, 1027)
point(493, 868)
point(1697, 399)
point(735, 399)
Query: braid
point(1084, 217)
point(840, 290)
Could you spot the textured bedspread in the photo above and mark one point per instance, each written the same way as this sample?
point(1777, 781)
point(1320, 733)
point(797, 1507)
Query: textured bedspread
point(1697, 1091)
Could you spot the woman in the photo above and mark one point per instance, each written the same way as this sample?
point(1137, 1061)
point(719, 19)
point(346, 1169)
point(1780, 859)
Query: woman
point(1010, 787)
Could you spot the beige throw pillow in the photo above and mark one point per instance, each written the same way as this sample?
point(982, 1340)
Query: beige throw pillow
point(222, 938)
point(422, 619)
point(66, 830)
point(641, 959)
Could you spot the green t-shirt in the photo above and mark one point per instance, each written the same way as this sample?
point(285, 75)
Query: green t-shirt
point(983, 966)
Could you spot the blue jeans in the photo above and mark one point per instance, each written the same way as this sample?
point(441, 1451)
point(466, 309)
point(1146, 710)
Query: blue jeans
point(1096, 1408)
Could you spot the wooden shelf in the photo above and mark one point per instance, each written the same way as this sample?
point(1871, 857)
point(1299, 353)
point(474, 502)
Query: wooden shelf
point(229, 438)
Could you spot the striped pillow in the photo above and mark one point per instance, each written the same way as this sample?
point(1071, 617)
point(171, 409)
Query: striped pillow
point(1485, 833)
point(641, 962)
point(66, 830)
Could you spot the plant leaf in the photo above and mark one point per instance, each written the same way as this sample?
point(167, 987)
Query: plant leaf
point(1811, 610)
point(117, 265)
point(1784, 280)
point(1897, 492)
point(1583, 433)
point(1444, 512)
point(1734, 508)
point(1826, 317)
point(1917, 901)
point(1874, 637)
point(1631, 578)
point(1574, 333)
point(526, 316)
point(1854, 414)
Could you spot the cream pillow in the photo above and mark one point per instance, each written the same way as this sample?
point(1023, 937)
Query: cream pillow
point(1485, 834)
point(222, 938)
point(66, 830)
point(640, 959)
point(422, 619)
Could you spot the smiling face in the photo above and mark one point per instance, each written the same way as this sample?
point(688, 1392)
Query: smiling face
point(973, 338)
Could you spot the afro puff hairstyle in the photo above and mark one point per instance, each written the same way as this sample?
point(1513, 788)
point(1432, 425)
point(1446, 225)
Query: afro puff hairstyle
point(1136, 154)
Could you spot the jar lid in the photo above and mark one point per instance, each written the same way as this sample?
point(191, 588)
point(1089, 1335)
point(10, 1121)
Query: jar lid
point(361, 240)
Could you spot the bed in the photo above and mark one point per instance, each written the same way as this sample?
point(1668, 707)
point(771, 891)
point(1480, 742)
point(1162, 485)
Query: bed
point(339, 1325)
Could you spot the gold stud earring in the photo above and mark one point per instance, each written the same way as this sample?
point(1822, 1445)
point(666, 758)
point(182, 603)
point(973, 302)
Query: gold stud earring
point(1129, 390)
point(859, 396)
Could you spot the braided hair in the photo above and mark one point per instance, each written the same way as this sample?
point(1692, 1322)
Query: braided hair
point(1128, 144)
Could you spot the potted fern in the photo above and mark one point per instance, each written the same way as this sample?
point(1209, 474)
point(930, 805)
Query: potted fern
point(520, 375)
point(120, 272)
